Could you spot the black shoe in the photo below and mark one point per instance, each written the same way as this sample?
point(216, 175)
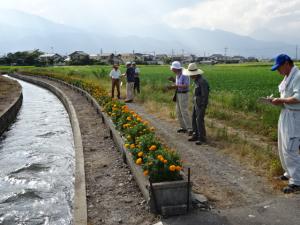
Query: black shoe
point(199, 143)
point(193, 138)
point(282, 177)
point(181, 130)
point(291, 188)
point(128, 101)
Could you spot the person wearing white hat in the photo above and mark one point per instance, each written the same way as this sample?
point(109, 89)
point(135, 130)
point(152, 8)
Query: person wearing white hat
point(200, 101)
point(130, 82)
point(182, 98)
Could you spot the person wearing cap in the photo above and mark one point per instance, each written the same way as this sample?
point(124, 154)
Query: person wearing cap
point(115, 75)
point(200, 101)
point(289, 121)
point(130, 82)
point(181, 86)
point(136, 78)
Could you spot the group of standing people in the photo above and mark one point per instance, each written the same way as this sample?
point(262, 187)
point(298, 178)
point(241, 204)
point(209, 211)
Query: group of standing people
point(195, 125)
point(132, 75)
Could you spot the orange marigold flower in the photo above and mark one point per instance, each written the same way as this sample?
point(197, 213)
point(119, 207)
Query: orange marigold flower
point(159, 157)
point(165, 161)
point(132, 146)
point(139, 161)
point(146, 172)
point(172, 168)
point(140, 154)
point(178, 168)
point(152, 148)
point(129, 118)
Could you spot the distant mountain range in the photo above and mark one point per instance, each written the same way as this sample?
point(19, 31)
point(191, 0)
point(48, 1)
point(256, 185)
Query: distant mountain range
point(21, 31)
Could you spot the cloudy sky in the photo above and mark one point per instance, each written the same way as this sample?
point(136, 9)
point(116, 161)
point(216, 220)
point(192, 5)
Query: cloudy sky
point(272, 20)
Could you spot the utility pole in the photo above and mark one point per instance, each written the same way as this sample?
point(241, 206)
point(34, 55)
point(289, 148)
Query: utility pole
point(296, 53)
point(101, 52)
point(182, 50)
point(225, 51)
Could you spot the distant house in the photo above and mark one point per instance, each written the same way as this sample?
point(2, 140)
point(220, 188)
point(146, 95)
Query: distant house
point(189, 59)
point(50, 58)
point(78, 55)
point(217, 57)
point(110, 58)
point(205, 60)
point(238, 59)
point(177, 58)
point(79, 58)
point(252, 59)
point(128, 57)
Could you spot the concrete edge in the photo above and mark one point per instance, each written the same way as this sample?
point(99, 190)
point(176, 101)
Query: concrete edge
point(11, 112)
point(80, 205)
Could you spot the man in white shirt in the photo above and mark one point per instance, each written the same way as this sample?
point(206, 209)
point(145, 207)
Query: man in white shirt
point(115, 75)
point(289, 121)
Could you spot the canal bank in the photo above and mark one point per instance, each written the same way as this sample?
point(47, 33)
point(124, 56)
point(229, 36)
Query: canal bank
point(10, 101)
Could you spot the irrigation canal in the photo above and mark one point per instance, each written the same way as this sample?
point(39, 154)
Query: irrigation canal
point(37, 162)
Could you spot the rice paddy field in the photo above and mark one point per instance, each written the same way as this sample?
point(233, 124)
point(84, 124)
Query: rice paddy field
point(235, 89)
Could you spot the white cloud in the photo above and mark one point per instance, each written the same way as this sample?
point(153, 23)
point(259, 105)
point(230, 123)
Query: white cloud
point(241, 17)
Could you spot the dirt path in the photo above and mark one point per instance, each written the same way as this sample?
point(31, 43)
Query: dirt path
point(112, 194)
point(214, 174)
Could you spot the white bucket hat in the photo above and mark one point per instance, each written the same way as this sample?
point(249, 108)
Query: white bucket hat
point(128, 63)
point(176, 65)
point(192, 70)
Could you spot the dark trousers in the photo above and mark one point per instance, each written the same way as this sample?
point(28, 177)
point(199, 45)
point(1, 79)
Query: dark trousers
point(137, 84)
point(198, 122)
point(115, 83)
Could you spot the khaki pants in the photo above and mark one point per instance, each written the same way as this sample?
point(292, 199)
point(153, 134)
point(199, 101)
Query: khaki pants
point(115, 83)
point(129, 90)
point(182, 111)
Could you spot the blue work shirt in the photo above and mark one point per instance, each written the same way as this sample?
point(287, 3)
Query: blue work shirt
point(130, 72)
point(182, 80)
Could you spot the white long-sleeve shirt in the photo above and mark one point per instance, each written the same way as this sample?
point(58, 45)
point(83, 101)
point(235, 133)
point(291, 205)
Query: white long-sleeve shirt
point(115, 74)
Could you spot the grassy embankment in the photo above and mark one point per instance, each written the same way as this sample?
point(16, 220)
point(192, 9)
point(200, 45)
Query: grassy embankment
point(233, 100)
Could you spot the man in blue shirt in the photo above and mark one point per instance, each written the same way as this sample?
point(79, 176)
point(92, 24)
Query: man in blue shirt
point(130, 72)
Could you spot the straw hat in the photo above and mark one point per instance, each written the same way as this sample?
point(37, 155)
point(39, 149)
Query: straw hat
point(192, 70)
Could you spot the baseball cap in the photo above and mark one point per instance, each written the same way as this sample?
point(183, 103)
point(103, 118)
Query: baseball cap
point(280, 60)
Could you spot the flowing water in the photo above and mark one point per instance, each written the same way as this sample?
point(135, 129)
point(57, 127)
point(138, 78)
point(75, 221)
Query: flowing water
point(37, 162)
